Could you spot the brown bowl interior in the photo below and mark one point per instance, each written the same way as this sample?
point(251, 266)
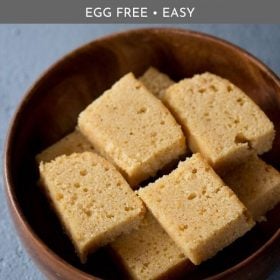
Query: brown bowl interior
point(50, 111)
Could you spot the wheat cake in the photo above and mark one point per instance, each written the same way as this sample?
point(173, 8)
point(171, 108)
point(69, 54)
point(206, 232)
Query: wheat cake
point(196, 209)
point(148, 253)
point(219, 120)
point(93, 201)
point(133, 129)
point(73, 142)
point(257, 184)
point(156, 82)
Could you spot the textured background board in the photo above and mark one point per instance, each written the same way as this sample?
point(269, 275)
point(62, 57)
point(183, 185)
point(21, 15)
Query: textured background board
point(27, 50)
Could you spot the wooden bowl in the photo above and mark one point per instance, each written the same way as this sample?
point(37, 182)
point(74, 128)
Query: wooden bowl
point(49, 111)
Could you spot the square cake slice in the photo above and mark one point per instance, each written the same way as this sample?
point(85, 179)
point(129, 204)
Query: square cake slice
point(257, 185)
point(133, 129)
point(196, 209)
point(148, 253)
point(93, 201)
point(156, 82)
point(219, 120)
point(74, 142)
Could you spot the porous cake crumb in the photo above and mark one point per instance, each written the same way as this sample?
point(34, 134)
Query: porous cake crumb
point(257, 185)
point(156, 82)
point(196, 209)
point(93, 201)
point(219, 120)
point(148, 253)
point(133, 129)
point(74, 142)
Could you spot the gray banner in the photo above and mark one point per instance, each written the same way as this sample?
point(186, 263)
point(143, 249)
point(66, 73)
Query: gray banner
point(145, 11)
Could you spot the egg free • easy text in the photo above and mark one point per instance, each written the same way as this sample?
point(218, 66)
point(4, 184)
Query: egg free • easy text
point(138, 12)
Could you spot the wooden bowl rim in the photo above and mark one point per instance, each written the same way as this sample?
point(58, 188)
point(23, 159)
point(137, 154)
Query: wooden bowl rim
point(17, 214)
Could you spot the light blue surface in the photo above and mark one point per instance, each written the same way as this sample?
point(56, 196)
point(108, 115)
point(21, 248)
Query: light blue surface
point(27, 50)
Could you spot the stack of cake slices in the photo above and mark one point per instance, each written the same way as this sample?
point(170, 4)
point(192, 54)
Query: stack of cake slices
point(96, 177)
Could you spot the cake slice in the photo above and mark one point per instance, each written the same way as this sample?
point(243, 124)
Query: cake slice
point(257, 185)
point(133, 129)
point(93, 201)
point(196, 209)
point(148, 253)
point(74, 142)
point(219, 120)
point(156, 82)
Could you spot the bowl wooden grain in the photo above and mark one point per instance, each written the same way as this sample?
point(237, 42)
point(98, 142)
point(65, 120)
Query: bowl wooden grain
point(49, 111)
